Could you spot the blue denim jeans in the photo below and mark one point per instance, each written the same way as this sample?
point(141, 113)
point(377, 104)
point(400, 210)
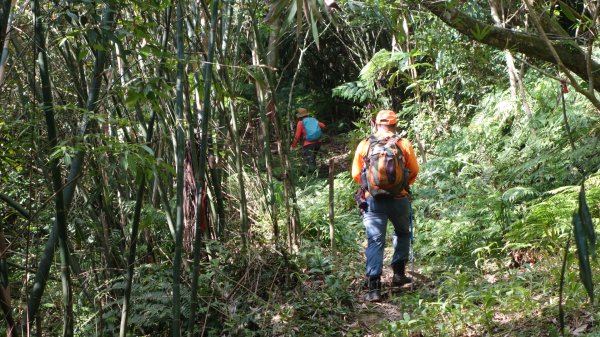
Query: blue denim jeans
point(375, 220)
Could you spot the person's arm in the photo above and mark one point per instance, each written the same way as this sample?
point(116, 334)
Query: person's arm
point(358, 163)
point(299, 129)
point(411, 160)
point(322, 125)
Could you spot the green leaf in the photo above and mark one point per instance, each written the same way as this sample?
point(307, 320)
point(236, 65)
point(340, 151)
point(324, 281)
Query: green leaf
point(148, 149)
point(586, 221)
point(519, 194)
point(292, 13)
point(67, 159)
point(125, 163)
point(479, 33)
point(298, 17)
point(275, 11)
point(315, 31)
point(167, 167)
point(82, 54)
point(585, 270)
point(567, 11)
point(133, 96)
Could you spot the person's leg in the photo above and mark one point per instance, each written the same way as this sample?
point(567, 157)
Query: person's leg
point(307, 154)
point(310, 156)
point(315, 154)
point(375, 223)
point(400, 218)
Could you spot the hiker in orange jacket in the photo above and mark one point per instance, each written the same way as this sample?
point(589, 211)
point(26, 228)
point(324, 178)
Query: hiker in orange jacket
point(378, 210)
point(311, 138)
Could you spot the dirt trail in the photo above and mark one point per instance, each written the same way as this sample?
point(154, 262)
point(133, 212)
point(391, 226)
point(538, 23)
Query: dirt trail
point(334, 148)
point(392, 307)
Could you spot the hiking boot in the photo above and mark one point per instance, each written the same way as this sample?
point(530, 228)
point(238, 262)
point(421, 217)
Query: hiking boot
point(399, 279)
point(374, 294)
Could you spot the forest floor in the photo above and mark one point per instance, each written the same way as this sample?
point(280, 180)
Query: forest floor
point(334, 148)
point(392, 307)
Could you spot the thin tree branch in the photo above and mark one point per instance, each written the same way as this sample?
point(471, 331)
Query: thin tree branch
point(536, 21)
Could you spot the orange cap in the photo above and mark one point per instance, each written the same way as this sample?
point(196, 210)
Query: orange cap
point(301, 112)
point(387, 117)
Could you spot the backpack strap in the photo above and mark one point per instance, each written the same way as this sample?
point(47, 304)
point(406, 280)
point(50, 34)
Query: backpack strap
point(390, 141)
point(393, 140)
point(304, 120)
point(371, 140)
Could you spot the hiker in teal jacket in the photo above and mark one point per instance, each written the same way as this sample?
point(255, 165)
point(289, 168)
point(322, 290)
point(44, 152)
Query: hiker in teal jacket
point(309, 130)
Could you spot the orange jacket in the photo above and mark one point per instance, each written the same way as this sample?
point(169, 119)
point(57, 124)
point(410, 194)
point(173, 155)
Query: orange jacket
point(301, 134)
point(409, 154)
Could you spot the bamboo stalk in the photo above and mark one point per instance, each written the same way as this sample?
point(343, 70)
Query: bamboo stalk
point(331, 206)
point(201, 175)
point(6, 18)
point(15, 205)
point(57, 183)
point(5, 301)
point(134, 236)
point(43, 271)
point(180, 146)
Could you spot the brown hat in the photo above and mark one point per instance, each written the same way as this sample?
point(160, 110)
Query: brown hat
point(301, 112)
point(387, 117)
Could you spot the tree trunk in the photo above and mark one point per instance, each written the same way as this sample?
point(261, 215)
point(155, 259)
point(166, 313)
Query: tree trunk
point(235, 134)
point(573, 57)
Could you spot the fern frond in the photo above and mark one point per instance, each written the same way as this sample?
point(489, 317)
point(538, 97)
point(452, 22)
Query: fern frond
point(519, 193)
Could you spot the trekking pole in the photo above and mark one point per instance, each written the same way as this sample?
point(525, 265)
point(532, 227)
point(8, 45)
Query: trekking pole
point(412, 243)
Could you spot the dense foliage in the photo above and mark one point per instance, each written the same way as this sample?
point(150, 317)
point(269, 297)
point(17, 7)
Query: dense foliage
point(148, 144)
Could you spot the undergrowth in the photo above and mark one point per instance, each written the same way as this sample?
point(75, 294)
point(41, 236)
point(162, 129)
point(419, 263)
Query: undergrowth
point(491, 216)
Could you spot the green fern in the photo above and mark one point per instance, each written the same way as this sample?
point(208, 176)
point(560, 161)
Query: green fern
point(519, 194)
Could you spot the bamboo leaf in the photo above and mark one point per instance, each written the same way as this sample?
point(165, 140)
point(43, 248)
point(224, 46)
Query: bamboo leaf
point(147, 149)
point(585, 270)
point(298, 17)
point(313, 25)
point(567, 11)
point(275, 11)
point(586, 221)
point(314, 9)
point(293, 11)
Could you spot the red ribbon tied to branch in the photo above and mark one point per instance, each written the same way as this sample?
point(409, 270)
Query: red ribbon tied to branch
point(563, 84)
